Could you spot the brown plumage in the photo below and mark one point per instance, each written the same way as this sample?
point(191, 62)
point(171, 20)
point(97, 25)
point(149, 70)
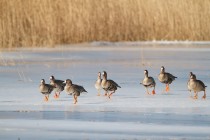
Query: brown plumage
point(109, 85)
point(58, 86)
point(45, 89)
point(197, 86)
point(166, 78)
point(73, 89)
point(98, 83)
point(148, 82)
point(188, 83)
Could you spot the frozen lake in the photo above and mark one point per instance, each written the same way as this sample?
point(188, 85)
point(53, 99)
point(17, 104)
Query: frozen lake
point(129, 114)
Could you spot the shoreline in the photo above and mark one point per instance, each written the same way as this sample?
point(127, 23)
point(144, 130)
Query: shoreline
point(105, 45)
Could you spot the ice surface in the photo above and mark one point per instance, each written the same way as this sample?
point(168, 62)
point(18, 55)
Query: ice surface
point(130, 114)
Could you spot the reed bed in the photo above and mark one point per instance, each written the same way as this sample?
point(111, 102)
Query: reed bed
point(28, 23)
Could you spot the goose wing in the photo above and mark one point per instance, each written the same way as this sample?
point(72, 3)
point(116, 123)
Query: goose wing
point(49, 87)
point(201, 83)
point(151, 81)
point(79, 88)
point(113, 83)
point(148, 82)
point(171, 76)
point(60, 84)
point(46, 88)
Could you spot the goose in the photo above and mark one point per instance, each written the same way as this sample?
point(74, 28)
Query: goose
point(72, 89)
point(166, 78)
point(45, 89)
point(108, 85)
point(148, 82)
point(188, 83)
point(98, 83)
point(58, 86)
point(197, 86)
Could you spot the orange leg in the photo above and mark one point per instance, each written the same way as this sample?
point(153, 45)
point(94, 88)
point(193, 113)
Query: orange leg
point(56, 96)
point(111, 94)
point(153, 92)
point(167, 88)
point(75, 99)
point(204, 96)
point(147, 91)
point(46, 98)
point(106, 93)
point(195, 95)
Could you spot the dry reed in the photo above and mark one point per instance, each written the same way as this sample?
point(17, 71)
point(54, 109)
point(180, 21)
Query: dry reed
point(50, 22)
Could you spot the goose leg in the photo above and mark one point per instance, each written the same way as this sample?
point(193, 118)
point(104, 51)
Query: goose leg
point(56, 96)
point(167, 88)
point(46, 98)
point(204, 96)
point(153, 91)
point(75, 99)
point(106, 93)
point(147, 90)
point(111, 94)
point(99, 94)
point(195, 95)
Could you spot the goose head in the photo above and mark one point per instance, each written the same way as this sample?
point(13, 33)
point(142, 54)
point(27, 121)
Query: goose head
point(104, 75)
point(42, 81)
point(68, 82)
point(145, 72)
point(193, 77)
point(52, 78)
point(192, 74)
point(99, 75)
point(162, 69)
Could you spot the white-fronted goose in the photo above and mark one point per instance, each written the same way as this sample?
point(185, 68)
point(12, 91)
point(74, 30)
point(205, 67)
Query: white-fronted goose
point(58, 86)
point(45, 89)
point(166, 78)
point(98, 83)
point(108, 85)
point(188, 83)
point(197, 86)
point(148, 82)
point(72, 89)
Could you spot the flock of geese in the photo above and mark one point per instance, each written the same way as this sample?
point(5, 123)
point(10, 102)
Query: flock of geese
point(111, 86)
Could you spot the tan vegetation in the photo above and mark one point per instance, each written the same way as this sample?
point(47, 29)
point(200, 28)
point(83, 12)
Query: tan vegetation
point(50, 22)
